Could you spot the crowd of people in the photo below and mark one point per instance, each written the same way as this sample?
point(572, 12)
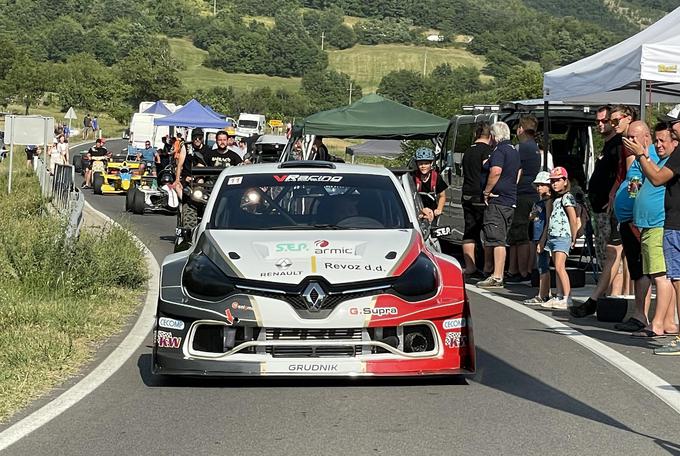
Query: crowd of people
point(535, 217)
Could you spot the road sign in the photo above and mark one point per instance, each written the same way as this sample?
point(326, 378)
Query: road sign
point(70, 114)
point(28, 130)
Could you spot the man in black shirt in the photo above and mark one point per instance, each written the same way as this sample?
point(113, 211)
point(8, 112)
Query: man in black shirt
point(473, 205)
point(98, 150)
point(222, 156)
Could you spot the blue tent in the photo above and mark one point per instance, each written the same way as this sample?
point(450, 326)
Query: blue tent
point(222, 116)
point(158, 108)
point(192, 115)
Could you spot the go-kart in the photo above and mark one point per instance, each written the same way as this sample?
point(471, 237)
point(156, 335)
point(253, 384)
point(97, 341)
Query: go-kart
point(153, 194)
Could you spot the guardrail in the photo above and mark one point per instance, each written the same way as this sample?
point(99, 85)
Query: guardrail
point(60, 188)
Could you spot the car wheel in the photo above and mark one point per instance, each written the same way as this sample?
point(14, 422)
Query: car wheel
point(97, 182)
point(129, 198)
point(78, 163)
point(189, 216)
point(138, 202)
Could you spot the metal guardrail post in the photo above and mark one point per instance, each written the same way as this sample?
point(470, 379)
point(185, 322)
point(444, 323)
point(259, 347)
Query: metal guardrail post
point(68, 200)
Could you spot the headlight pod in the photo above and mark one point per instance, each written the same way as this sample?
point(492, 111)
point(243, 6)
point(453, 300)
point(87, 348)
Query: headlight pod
point(204, 280)
point(420, 281)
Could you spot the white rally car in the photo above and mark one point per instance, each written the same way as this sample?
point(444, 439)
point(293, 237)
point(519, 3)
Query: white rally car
point(312, 268)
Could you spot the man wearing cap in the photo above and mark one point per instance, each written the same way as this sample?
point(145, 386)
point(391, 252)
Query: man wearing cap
point(500, 197)
point(668, 175)
point(195, 158)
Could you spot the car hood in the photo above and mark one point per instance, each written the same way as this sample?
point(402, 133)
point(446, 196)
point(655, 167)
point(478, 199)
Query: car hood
point(338, 256)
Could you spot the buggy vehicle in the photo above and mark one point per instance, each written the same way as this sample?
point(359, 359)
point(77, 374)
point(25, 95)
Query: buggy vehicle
point(311, 268)
point(195, 196)
point(268, 148)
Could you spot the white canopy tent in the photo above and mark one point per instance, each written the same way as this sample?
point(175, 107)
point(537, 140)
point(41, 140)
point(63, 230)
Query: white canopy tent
point(643, 69)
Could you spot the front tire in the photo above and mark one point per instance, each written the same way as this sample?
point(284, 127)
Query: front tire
point(129, 198)
point(189, 216)
point(78, 163)
point(97, 182)
point(138, 202)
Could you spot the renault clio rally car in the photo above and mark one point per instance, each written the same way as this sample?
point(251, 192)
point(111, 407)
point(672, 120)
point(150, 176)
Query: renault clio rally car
point(311, 268)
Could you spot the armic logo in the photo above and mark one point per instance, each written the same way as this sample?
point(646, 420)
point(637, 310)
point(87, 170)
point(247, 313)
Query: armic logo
point(321, 243)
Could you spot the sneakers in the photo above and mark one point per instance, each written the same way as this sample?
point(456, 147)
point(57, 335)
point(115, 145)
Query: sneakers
point(671, 348)
point(557, 303)
point(490, 282)
point(518, 278)
point(583, 310)
point(536, 301)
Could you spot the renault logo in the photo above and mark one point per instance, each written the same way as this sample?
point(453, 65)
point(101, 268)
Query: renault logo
point(314, 296)
point(283, 263)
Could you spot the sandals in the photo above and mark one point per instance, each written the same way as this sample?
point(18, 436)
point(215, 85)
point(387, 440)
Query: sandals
point(631, 325)
point(647, 334)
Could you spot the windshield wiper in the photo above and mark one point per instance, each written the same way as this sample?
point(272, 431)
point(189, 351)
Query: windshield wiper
point(318, 226)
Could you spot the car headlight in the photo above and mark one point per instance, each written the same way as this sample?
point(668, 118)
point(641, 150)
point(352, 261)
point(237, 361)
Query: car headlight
point(197, 195)
point(420, 281)
point(204, 280)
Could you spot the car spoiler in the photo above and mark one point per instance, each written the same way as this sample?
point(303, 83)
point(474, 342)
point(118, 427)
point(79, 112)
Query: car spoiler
point(205, 171)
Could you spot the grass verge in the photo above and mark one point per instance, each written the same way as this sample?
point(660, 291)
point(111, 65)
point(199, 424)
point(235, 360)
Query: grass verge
point(59, 299)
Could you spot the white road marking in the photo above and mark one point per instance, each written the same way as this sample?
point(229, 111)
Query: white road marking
point(107, 367)
point(650, 381)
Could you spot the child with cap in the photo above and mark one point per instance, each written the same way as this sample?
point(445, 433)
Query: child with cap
point(538, 218)
point(562, 228)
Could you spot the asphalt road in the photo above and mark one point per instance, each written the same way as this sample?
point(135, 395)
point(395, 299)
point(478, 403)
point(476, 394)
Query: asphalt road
point(535, 393)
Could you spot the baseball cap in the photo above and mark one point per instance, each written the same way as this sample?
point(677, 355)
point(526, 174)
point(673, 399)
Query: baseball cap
point(673, 115)
point(197, 132)
point(542, 178)
point(559, 173)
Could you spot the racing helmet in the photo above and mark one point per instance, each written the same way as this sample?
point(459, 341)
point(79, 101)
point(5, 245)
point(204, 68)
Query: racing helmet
point(424, 154)
point(166, 178)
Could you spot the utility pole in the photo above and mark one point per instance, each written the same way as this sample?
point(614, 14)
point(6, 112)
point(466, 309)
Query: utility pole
point(350, 91)
point(425, 65)
point(323, 35)
point(214, 8)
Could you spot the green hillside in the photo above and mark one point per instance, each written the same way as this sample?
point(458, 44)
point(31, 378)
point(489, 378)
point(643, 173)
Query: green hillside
point(368, 64)
point(195, 76)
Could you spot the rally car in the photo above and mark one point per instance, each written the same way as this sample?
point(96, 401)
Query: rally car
point(311, 268)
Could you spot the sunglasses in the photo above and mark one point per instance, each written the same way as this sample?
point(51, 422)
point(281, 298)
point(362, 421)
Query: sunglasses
point(602, 121)
point(616, 121)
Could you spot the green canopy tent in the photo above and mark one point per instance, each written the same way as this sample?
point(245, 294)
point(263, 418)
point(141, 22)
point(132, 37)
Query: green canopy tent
point(373, 117)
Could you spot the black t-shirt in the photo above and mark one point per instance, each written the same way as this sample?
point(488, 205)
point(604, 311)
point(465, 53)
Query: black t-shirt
point(473, 158)
point(604, 174)
point(506, 157)
point(425, 186)
point(100, 151)
point(530, 158)
point(214, 158)
point(672, 201)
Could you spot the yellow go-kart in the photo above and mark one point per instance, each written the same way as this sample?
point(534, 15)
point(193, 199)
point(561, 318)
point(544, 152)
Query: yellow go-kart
point(114, 177)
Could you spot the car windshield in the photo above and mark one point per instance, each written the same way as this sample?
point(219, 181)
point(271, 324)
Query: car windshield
point(247, 123)
point(308, 202)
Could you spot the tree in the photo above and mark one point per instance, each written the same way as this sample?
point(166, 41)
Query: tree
point(65, 37)
point(151, 72)
point(342, 37)
point(403, 86)
point(292, 52)
point(328, 89)
point(522, 84)
point(26, 81)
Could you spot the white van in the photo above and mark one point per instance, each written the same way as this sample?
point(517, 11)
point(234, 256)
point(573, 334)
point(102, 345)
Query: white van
point(142, 129)
point(250, 124)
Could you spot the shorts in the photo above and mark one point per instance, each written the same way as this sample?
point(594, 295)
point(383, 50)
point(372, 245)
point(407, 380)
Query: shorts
point(519, 230)
point(543, 262)
point(653, 262)
point(30, 154)
point(632, 248)
point(497, 221)
point(606, 233)
point(560, 244)
point(474, 220)
point(671, 252)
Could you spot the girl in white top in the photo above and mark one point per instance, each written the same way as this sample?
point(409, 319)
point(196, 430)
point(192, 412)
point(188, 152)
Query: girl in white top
point(58, 153)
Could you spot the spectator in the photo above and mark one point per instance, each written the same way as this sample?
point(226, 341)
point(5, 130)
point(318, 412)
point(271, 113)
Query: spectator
point(472, 201)
point(222, 157)
point(58, 153)
point(242, 148)
point(608, 247)
point(500, 197)
point(95, 126)
point(630, 234)
point(538, 217)
point(561, 236)
point(669, 176)
point(31, 151)
point(649, 215)
point(87, 126)
point(319, 150)
point(521, 249)
point(148, 158)
point(186, 161)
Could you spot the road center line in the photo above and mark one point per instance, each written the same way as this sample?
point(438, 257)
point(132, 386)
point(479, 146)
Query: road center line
point(652, 382)
point(105, 369)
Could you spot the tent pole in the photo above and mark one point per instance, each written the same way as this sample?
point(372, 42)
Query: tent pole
point(546, 133)
point(643, 94)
